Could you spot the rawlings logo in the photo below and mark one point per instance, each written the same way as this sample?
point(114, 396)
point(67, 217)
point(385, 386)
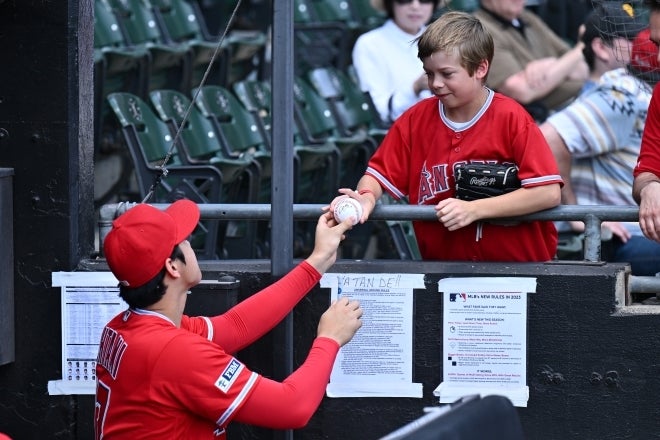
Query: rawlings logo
point(482, 181)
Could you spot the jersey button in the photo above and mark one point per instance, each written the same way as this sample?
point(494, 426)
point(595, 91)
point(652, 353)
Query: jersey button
point(457, 149)
point(458, 135)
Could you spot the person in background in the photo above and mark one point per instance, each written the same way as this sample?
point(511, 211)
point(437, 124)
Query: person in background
point(465, 122)
point(162, 374)
point(531, 64)
point(385, 58)
point(646, 183)
point(596, 139)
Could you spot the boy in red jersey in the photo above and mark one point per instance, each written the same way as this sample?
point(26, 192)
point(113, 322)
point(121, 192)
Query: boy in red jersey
point(465, 122)
point(162, 374)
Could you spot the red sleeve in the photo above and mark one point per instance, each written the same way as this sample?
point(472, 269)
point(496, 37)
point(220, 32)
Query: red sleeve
point(649, 154)
point(252, 318)
point(291, 403)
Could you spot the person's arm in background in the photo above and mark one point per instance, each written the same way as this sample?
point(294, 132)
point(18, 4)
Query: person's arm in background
point(564, 163)
point(540, 77)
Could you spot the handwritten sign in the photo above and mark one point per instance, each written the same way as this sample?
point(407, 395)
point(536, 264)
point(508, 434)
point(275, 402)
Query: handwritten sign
point(378, 360)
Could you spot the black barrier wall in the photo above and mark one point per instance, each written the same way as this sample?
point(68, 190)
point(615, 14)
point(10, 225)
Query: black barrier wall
point(591, 368)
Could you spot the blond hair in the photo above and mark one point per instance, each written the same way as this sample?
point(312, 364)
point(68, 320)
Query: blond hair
point(461, 32)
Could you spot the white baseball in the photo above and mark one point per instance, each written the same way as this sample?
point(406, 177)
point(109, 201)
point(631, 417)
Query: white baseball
point(346, 208)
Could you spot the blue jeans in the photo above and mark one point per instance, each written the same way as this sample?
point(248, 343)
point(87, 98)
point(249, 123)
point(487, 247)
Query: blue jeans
point(642, 253)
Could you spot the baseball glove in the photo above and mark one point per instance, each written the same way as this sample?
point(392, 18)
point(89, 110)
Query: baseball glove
point(478, 181)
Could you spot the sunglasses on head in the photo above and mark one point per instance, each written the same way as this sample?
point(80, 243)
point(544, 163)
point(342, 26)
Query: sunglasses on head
point(407, 2)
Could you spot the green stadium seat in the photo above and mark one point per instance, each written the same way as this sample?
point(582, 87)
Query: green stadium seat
point(318, 41)
point(170, 64)
point(366, 14)
point(149, 142)
point(179, 24)
point(236, 129)
point(198, 144)
point(248, 45)
point(117, 67)
point(315, 123)
point(317, 163)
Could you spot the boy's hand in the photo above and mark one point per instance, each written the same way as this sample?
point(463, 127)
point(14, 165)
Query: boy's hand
point(455, 213)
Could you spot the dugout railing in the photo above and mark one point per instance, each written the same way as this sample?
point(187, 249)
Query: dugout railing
point(591, 215)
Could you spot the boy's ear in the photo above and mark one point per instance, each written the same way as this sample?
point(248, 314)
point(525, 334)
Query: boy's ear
point(482, 69)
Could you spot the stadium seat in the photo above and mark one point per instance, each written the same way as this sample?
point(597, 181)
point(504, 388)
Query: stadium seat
point(248, 45)
point(198, 144)
point(348, 104)
point(236, 129)
point(318, 42)
point(316, 123)
point(317, 163)
point(169, 64)
point(149, 142)
point(463, 5)
point(179, 24)
point(117, 67)
point(366, 14)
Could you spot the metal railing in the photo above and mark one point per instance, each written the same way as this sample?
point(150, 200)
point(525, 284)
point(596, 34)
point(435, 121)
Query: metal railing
point(591, 215)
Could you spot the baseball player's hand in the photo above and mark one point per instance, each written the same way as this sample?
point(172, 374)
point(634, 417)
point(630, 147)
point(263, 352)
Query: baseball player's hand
point(367, 202)
point(455, 213)
point(328, 235)
point(649, 211)
point(340, 321)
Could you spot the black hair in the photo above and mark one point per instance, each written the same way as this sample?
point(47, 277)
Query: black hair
point(153, 290)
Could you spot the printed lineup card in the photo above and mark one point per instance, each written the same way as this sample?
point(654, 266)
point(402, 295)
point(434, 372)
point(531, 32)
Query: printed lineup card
point(89, 301)
point(485, 337)
point(378, 361)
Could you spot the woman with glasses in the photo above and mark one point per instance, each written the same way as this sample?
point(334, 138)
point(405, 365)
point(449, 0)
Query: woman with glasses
point(385, 58)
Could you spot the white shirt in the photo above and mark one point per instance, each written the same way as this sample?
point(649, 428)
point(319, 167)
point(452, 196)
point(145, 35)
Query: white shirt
point(386, 63)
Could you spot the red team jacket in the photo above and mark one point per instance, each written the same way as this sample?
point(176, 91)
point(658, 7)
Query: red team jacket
point(417, 158)
point(155, 380)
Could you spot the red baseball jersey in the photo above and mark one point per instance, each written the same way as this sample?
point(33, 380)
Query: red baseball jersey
point(175, 382)
point(649, 153)
point(156, 380)
point(417, 159)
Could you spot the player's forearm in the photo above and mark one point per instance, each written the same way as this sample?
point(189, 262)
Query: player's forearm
point(641, 182)
point(255, 316)
point(290, 404)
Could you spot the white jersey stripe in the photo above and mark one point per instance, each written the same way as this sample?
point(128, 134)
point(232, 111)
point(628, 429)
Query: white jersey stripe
point(239, 399)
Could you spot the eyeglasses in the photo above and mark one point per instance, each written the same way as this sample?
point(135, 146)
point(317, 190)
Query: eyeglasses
point(407, 2)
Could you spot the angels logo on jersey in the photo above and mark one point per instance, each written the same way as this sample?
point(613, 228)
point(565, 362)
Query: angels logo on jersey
point(229, 375)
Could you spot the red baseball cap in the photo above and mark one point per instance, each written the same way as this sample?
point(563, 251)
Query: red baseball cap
point(143, 237)
point(644, 58)
point(644, 55)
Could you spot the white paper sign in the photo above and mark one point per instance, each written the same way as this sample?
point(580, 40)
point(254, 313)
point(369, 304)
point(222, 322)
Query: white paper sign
point(378, 360)
point(89, 301)
point(485, 337)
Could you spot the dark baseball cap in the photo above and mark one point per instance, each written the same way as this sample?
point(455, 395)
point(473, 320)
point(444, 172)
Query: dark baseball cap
point(613, 19)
